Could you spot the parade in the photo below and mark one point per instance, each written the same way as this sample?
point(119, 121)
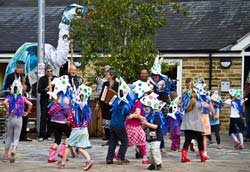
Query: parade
point(154, 122)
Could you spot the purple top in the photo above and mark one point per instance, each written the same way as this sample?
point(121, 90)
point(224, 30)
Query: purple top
point(135, 121)
point(59, 114)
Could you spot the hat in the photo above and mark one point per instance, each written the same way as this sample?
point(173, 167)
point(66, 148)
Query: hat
point(123, 90)
point(112, 72)
point(61, 84)
point(215, 97)
point(107, 67)
point(16, 87)
point(151, 101)
point(48, 67)
point(141, 88)
point(235, 92)
point(85, 91)
point(156, 68)
point(173, 107)
point(20, 63)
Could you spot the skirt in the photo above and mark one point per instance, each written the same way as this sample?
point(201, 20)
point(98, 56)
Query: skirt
point(79, 137)
point(236, 126)
point(136, 135)
point(206, 124)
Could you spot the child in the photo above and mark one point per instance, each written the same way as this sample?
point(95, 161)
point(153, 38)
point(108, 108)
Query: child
point(79, 119)
point(236, 122)
point(135, 133)
point(59, 111)
point(175, 118)
point(153, 131)
point(193, 127)
point(121, 109)
point(14, 104)
point(214, 118)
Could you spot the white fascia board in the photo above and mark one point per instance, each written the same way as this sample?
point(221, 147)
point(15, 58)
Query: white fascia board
point(183, 55)
point(242, 43)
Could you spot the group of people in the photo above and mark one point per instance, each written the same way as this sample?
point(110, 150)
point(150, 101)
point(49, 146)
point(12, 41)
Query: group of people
point(138, 114)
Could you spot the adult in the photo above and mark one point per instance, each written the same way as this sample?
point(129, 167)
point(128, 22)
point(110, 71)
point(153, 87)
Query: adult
point(105, 108)
point(19, 74)
point(102, 80)
point(43, 87)
point(74, 80)
point(247, 107)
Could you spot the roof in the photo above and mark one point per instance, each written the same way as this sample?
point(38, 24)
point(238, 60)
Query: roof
point(210, 25)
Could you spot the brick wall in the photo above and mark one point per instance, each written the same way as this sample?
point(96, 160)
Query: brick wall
point(192, 67)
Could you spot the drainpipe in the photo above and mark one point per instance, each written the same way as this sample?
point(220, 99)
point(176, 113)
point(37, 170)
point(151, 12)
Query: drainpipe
point(242, 69)
point(210, 71)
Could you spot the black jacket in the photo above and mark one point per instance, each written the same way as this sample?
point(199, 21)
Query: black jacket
point(42, 85)
point(11, 77)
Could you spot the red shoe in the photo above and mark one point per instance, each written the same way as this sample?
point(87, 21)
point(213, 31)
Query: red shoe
point(202, 156)
point(116, 156)
point(236, 144)
point(145, 161)
point(184, 156)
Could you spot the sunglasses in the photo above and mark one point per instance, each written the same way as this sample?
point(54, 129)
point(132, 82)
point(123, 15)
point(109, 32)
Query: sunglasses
point(49, 71)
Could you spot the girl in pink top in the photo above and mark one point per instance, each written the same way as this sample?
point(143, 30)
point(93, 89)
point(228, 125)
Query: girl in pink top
point(135, 133)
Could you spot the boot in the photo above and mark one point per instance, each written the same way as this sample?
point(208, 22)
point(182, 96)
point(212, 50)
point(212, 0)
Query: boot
point(52, 153)
point(202, 156)
point(184, 156)
point(61, 150)
point(192, 147)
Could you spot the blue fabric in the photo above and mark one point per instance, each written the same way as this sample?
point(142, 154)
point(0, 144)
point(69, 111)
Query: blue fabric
point(119, 112)
point(13, 102)
point(26, 53)
point(217, 120)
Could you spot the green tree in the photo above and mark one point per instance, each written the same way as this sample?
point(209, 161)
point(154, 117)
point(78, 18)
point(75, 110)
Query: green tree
point(121, 33)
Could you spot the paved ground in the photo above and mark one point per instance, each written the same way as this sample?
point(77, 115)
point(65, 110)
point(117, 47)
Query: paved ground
point(32, 157)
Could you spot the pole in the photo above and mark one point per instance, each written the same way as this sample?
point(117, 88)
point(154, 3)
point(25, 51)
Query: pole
point(40, 53)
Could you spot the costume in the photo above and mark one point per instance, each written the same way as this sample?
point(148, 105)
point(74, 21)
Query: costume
point(120, 110)
point(14, 104)
point(15, 112)
point(136, 135)
point(236, 122)
point(175, 116)
point(153, 135)
point(215, 122)
point(79, 119)
point(59, 112)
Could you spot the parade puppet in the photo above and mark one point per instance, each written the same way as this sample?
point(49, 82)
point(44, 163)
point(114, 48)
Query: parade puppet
point(55, 57)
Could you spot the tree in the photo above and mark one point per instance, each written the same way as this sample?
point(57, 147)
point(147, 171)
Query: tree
point(121, 33)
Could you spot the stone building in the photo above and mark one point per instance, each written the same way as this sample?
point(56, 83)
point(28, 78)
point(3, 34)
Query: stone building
point(214, 34)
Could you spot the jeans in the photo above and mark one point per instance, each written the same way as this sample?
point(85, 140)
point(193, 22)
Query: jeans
point(117, 134)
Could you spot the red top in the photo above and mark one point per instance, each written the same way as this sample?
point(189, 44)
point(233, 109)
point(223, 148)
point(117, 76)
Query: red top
point(74, 123)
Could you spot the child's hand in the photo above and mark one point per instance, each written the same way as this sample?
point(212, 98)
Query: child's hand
point(143, 120)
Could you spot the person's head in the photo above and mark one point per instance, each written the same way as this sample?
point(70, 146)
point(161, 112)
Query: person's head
point(111, 74)
point(189, 83)
point(173, 95)
point(48, 71)
point(155, 77)
point(72, 70)
point(144, 75)
point(147, 109)
point(20, 67)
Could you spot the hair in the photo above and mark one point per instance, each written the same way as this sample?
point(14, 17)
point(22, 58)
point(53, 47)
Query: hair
point(192, 102)
point(173, 95)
